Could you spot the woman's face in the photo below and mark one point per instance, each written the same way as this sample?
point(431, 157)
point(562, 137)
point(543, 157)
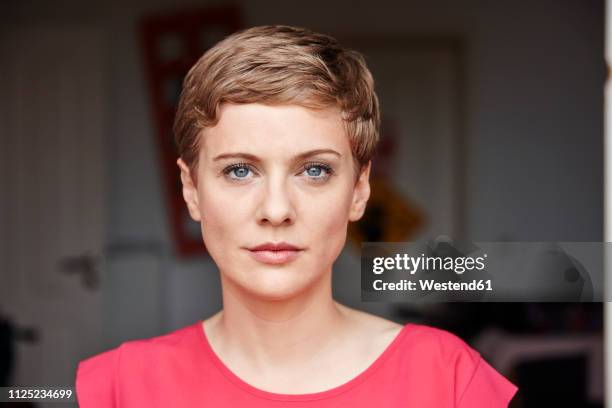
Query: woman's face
point(275, 174)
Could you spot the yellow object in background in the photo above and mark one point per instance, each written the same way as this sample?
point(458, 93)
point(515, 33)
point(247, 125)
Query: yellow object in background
point(389, 217)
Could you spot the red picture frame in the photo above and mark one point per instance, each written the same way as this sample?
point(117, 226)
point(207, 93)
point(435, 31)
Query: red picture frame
point(171, 44)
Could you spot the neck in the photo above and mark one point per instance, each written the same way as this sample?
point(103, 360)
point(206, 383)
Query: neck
point(281, 333)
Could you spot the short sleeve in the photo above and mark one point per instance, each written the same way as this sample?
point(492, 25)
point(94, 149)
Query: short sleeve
point(95, 380)
point(487, 388)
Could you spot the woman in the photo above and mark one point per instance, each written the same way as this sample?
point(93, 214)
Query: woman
point(276, 127)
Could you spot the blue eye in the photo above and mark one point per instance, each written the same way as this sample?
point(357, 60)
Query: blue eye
point(315, 173)
point(318, 171)
point(238, 171)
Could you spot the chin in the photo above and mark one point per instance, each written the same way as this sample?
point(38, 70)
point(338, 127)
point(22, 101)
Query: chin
point(275, 285)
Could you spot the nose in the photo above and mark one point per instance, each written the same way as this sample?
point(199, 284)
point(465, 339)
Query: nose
point(276, 206)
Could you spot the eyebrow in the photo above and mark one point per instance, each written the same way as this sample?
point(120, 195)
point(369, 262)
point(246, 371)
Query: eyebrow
point(252, 157)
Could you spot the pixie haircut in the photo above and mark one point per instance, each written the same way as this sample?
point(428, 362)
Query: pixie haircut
point(277, 65)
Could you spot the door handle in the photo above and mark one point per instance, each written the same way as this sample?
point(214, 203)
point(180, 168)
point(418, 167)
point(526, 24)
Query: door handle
point(86, 266)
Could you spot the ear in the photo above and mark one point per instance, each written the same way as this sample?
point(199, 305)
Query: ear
point(361, 194)
point(190, 191)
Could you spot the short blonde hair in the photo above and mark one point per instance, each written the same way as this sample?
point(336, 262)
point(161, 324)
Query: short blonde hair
point(279, 65)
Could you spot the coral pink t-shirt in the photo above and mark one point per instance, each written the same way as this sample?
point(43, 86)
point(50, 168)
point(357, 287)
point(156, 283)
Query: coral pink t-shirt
point(422, 367)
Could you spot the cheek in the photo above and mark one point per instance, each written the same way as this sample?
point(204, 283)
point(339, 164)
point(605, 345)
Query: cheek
point(220, 209)
point(328, 223)
point(221, 223)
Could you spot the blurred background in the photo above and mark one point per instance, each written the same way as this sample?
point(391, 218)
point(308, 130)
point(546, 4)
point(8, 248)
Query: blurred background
point(492, 131)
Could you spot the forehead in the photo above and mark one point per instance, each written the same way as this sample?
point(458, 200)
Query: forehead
point(274, 130)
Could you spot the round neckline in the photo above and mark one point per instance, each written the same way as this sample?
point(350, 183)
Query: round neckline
point(358, 379)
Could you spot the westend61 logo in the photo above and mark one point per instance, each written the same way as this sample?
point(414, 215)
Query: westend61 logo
point(443, 270)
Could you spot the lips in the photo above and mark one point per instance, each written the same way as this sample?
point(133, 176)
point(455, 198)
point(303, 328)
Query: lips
point(275, 253)
point(269, 246)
